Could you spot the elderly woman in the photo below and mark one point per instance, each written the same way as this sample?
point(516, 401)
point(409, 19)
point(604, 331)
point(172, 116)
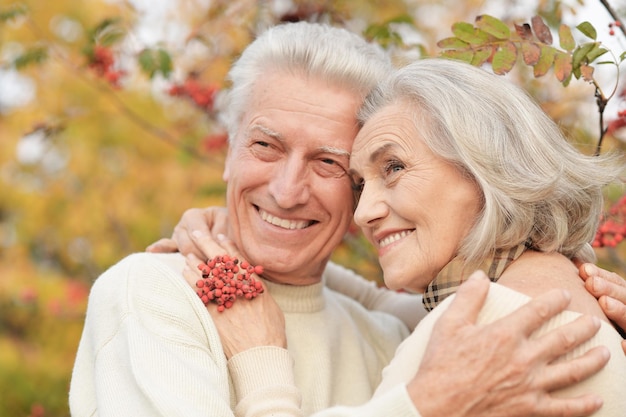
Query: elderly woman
point(458, 170)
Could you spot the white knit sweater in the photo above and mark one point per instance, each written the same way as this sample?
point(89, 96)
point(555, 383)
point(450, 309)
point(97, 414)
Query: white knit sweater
point(149, 348)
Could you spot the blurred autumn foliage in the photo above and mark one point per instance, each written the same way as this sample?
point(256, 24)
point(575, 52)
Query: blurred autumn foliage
point(108, 133)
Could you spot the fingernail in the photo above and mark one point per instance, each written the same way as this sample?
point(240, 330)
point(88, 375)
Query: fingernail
point(197, 234)
point(221, 237)
point(598, 284)
point(590, 270)
point(611, 303)
point(477, 276)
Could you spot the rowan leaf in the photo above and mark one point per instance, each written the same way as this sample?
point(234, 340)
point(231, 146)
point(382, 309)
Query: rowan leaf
point(566, 40)
point(31, 56)
point(588, 30)
point(546, 59)
point(482, 55)
point(542, 31)
point(468, 33)
point(153, 61)
point(596, 52)
point(494, 27)
point(562, 66)
point(530, 52)
point(452, 43)
point(524, 31)
point(107, 32)
point(587, 72)
point(580, 54)
point(13, 11)
point(460, 55)
point(504, 59)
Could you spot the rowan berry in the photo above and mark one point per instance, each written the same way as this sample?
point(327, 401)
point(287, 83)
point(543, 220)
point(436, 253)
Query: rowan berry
point(224, 279)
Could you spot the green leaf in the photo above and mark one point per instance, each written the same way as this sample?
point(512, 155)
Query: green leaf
point(32, 56)
point(452, 43)
point(467, 33)
point(596, 52)
point(108, 32)
point(494, 27)
point(460, 29)
point(465, 56)
point(165, 63)
point(12, 11)
point(566, 40)
point(482, 55)
point(546, 59)
point(504, 59)
point(580, 54)
point(153, 61)
point(588, 30)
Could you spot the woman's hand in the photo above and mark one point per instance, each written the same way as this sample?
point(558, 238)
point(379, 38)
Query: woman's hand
point(248, 323)
point(610, 290)
point(194, 233)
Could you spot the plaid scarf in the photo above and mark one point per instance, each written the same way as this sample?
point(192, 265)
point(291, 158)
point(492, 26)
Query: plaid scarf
point(454, 273)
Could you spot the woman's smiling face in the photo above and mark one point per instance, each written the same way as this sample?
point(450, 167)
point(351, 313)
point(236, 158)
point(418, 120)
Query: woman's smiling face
point(415, 207)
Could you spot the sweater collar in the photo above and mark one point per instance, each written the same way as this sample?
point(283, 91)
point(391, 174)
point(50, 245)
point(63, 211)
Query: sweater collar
point(298, 298)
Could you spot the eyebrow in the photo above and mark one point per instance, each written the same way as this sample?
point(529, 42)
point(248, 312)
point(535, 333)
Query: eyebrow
point(335, 151)
point(267, 131)
point(376, 155)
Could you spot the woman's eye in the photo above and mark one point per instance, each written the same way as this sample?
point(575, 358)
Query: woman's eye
point(392, 167)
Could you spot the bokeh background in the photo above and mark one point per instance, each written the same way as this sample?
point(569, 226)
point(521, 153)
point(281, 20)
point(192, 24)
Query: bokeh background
point(108, 133)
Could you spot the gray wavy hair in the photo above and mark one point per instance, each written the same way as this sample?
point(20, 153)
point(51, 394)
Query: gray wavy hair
point(315, 50)
point(536, 186)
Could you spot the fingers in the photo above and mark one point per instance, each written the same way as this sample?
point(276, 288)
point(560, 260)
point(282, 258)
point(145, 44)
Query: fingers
point(164, 245)
point(192, 220)
point(585, 405)
point(566, 338)
point(563, 374)
point(469, 300)
point(610, 290)
point(191, 273)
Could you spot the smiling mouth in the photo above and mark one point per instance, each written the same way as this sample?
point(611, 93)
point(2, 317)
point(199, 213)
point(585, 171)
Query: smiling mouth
point(388, 240)
point(285, 223)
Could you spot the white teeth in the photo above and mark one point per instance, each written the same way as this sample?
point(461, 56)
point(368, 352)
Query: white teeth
point(284, 223)
point(392, 238)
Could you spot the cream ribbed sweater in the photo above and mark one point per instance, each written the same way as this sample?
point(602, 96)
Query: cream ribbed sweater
point(149, 348)
point(610, 383)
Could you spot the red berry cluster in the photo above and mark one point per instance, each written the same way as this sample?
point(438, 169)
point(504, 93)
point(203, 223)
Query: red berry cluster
point(224, 280)
point(612, 25)
point(202, 96)
point(613, 226)
point(102, 62)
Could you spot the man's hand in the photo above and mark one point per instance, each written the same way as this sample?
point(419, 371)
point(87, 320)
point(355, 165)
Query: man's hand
point(194, 233)
point(498, 369)
point(610, 290)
